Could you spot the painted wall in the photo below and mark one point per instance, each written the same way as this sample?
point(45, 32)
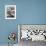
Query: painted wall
point(27, 12)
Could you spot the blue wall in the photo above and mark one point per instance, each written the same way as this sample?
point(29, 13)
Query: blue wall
point(27, 12)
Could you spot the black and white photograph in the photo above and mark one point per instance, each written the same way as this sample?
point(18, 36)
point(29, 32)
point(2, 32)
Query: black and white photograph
point(31, 34)
point(10, 11)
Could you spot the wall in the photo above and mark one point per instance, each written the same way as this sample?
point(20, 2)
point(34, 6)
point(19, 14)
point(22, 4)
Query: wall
point(27, 12)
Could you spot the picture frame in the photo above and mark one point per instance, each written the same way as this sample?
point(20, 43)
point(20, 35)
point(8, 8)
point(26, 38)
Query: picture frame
point(10, 11)
point(36, 32)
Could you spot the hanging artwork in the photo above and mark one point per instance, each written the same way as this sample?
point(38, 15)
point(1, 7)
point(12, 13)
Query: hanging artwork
point(10, 11)
point(32, 32)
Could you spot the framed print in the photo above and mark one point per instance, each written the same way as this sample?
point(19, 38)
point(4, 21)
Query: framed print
point(31, 32)
point(10, 11)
